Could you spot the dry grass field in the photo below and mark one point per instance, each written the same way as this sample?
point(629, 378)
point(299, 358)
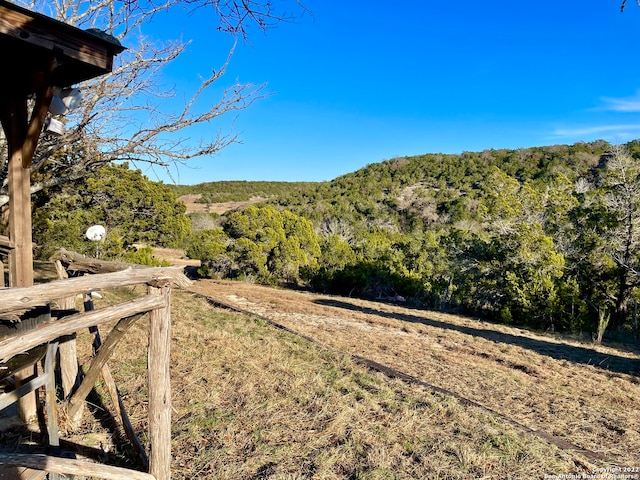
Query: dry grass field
point(466, 399)
point(294, 385)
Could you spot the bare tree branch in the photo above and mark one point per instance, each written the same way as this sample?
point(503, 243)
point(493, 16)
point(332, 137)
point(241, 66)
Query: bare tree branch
point(129, 115)
point(624, 4)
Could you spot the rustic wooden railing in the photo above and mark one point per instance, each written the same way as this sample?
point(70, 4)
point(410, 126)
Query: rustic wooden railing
point(14, 302)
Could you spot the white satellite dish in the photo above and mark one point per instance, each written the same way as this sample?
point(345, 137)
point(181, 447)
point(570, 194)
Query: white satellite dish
point(96, 233)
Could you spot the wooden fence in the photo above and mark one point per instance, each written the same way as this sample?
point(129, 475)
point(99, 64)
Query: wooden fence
point(60, 332)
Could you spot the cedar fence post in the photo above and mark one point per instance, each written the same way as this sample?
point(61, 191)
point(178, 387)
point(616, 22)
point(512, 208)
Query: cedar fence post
point(160, 385)
point(68, 351)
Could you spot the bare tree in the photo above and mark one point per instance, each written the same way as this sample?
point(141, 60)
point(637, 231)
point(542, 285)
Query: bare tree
point(624, 4)
point(622, 199)
point(124, 115)
point(236, 16)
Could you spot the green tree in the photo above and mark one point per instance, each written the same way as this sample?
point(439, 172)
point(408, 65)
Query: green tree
point(210, 247)
point(513, 276)
point(336, 253)
point(514, 270)
point(427, 260)
point(270, 244)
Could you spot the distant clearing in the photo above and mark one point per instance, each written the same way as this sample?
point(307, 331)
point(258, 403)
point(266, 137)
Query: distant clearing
point(174, 256)
point(191, 201)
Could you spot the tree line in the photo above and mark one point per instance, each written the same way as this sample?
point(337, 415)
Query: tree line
point(237, 190)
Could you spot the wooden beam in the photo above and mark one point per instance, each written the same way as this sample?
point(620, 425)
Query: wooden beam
point(9, 398)
point(13, 116)
point(6, 242)
point(46, 33)
point(76, 262)
point(38, 115)
point(67, 347)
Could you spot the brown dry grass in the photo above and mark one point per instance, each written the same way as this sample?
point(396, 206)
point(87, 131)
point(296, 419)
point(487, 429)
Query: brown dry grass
point(191, 202)
point(585, 394)
point(174, 256)
point(251, 401)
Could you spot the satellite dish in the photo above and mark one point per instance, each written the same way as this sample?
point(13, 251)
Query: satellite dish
point(96, 233)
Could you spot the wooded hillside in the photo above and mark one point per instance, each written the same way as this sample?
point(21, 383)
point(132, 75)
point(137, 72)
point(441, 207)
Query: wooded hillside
point(546, 237)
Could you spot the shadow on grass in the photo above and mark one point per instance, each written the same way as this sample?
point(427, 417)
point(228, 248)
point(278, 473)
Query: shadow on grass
point(571, 353)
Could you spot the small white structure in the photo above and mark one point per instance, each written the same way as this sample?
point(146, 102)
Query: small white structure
point(96, 233)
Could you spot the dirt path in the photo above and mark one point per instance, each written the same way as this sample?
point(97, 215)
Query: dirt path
point(580, 393)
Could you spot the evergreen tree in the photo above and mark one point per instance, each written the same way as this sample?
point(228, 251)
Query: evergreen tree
point(131, 208)
point(270, 244)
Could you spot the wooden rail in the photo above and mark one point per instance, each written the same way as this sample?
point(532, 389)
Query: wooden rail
point(68, 466)
point(6, 243)
point(15, 301)
point(26, 298)
point(14, 345)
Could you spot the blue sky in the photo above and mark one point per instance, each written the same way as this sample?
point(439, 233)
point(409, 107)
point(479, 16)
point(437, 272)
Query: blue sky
point(360, 82)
